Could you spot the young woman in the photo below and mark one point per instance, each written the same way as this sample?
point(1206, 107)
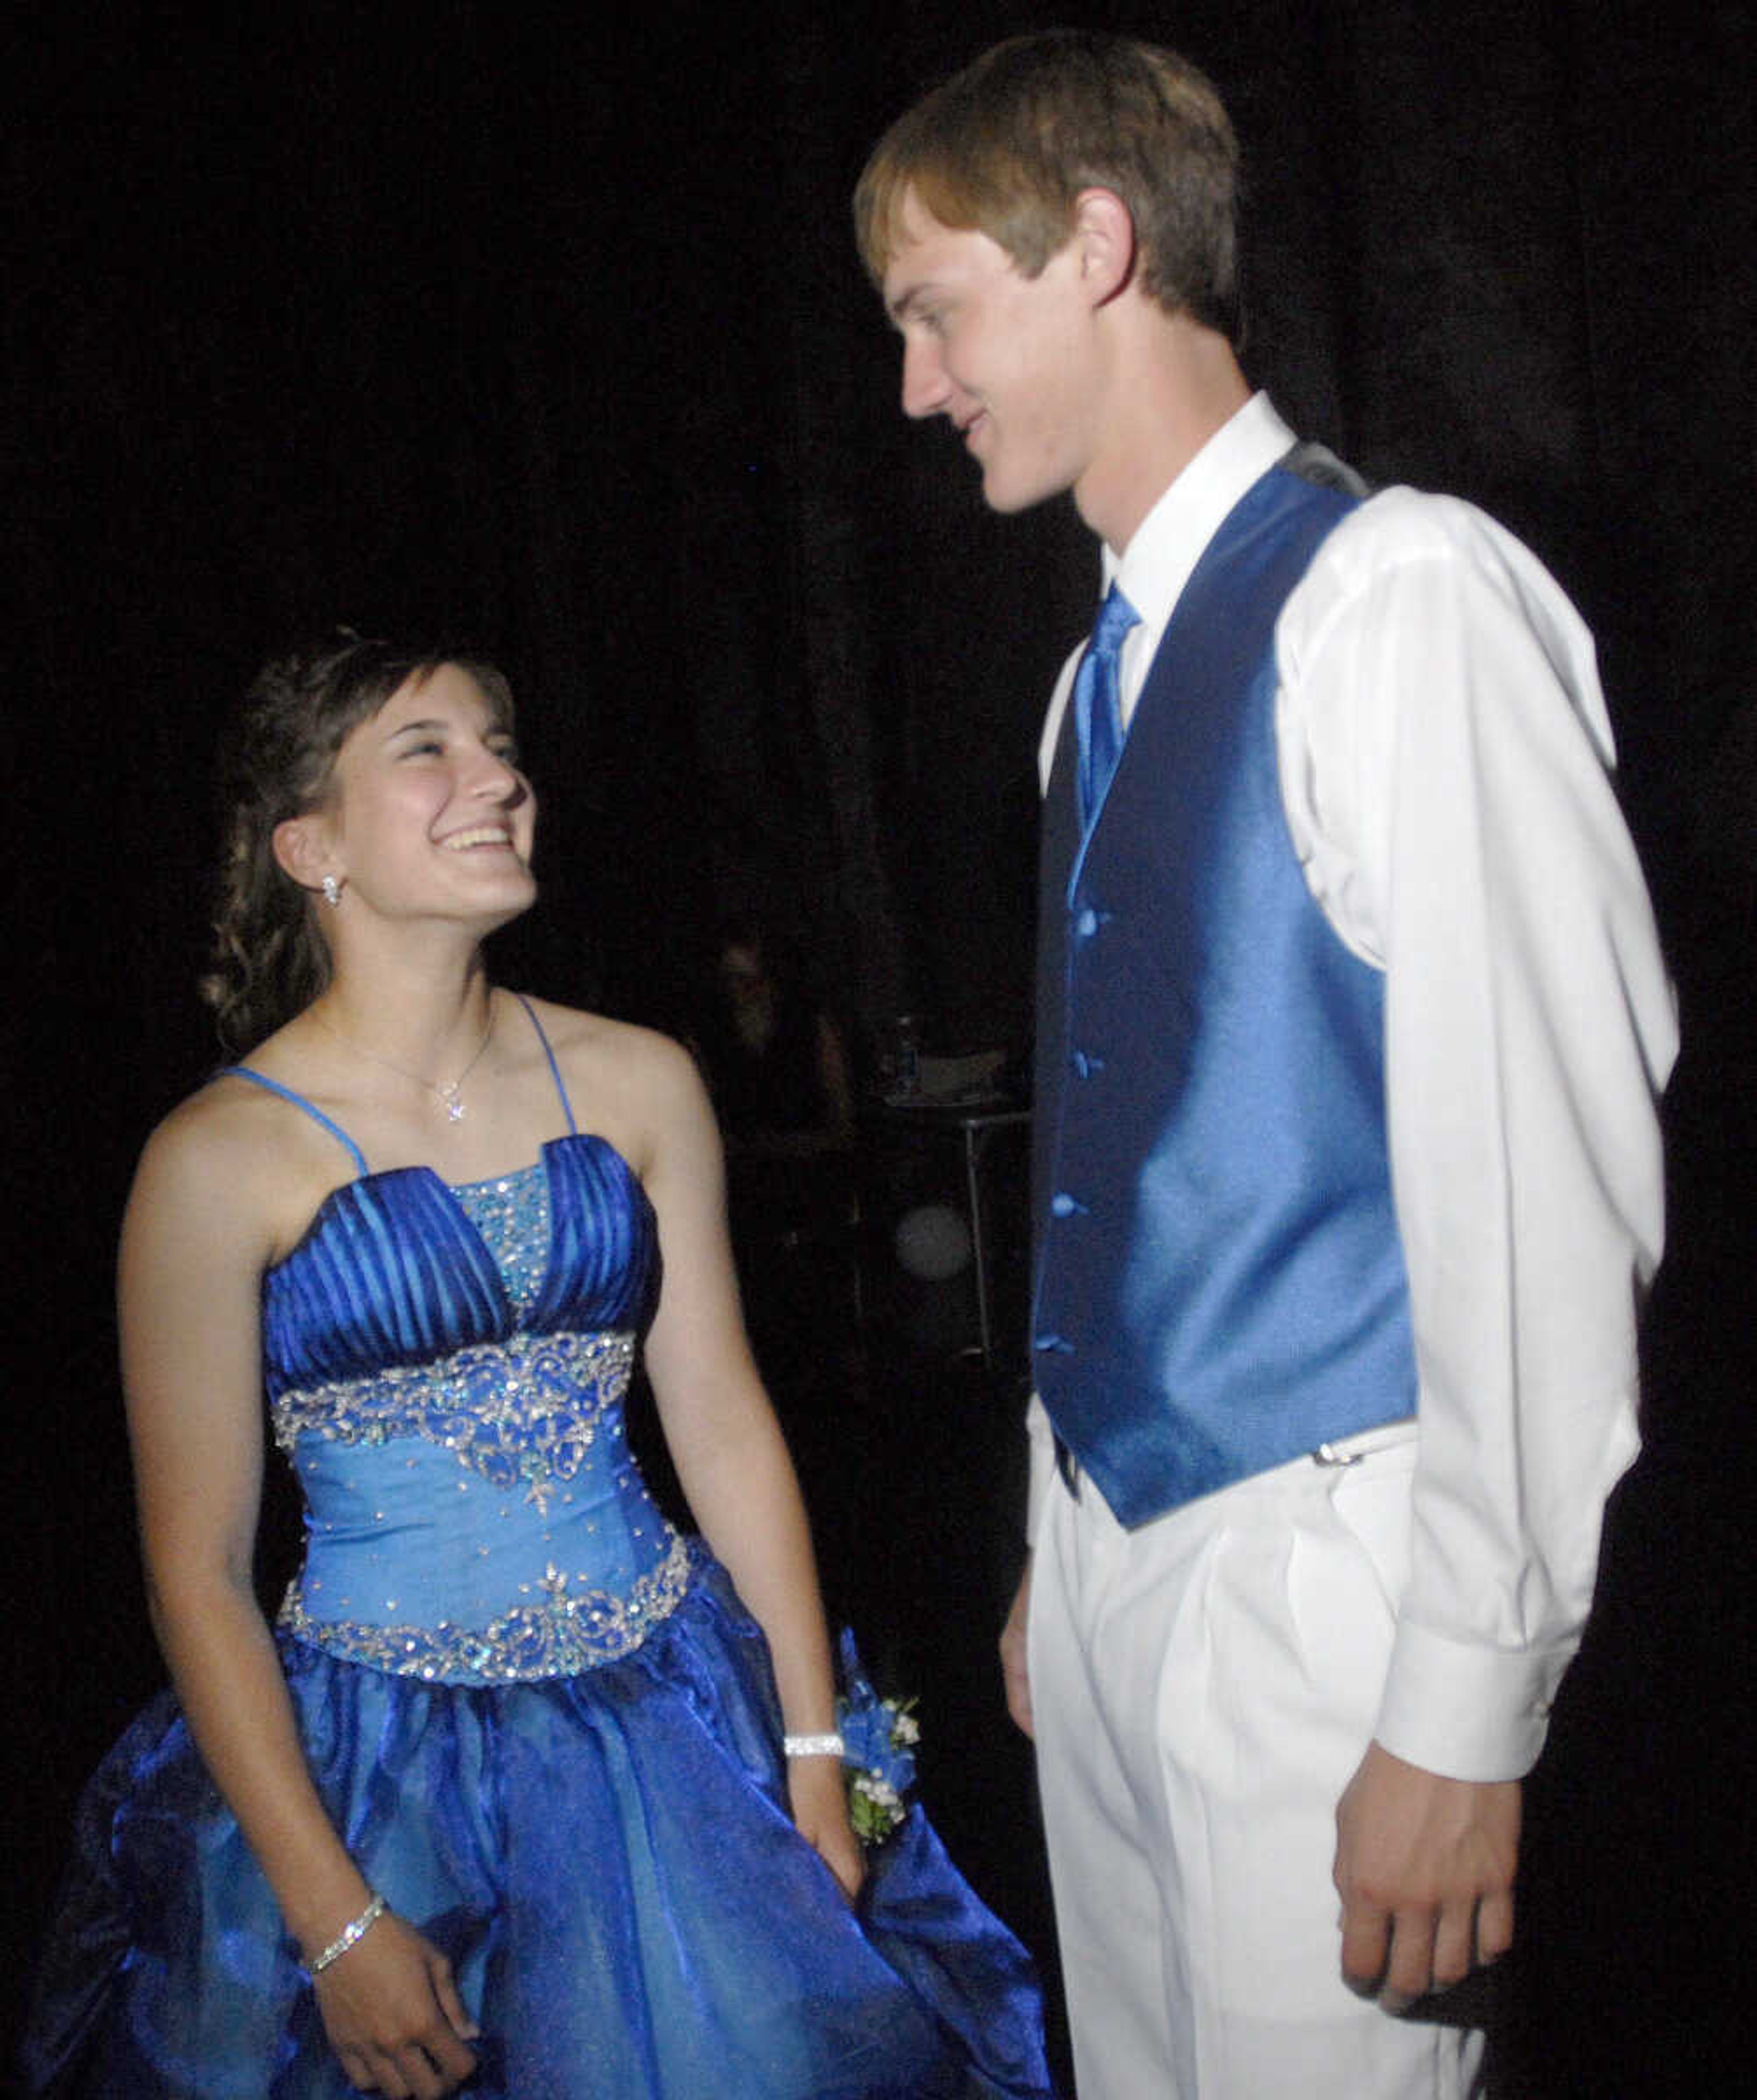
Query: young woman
point(525, 1795)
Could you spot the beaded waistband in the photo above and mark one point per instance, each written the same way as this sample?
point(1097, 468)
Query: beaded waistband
point(510, 1410)
point(565, 1631)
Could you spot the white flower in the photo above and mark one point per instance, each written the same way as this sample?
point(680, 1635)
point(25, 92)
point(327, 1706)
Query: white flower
point(905, 1730)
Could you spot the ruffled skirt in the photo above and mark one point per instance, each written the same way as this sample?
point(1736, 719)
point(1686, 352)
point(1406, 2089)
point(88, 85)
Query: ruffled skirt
point(608, 1862)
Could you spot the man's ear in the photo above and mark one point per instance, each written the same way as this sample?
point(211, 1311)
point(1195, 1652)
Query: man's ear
point(302, 852)
point(1104, 235)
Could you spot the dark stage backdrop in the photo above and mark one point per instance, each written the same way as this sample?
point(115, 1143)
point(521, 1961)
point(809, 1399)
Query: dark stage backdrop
point(550, 338)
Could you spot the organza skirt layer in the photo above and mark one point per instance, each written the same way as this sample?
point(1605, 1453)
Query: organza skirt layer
point(606, 1859)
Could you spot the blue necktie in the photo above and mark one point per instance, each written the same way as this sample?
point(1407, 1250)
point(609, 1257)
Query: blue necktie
point(1098, 702)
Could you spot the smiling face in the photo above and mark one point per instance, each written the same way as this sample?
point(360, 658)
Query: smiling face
point(427, 815)
point(1010, 360)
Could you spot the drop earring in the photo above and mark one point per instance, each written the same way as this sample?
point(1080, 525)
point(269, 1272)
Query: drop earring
point(332, 886)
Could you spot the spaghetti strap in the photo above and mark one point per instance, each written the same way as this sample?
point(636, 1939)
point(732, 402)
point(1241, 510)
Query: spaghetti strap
point(299, 1101)
point(573, 1128)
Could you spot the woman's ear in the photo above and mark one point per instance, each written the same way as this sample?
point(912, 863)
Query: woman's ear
point(302, 852)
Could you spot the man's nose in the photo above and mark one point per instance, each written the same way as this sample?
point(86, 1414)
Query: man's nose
point(925, 387)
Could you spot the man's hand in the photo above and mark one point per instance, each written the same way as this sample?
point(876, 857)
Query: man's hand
point(1014, 1667)
point(1424, 1867)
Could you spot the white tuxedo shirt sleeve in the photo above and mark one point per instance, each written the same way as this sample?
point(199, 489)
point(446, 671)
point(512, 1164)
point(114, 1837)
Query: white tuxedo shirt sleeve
point(1444, 752)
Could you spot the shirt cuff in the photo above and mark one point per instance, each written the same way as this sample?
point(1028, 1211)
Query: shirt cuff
point(1464, 1711)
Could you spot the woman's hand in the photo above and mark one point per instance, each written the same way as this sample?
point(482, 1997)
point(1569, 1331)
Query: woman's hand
point(393, 2015)
point(818, 1798)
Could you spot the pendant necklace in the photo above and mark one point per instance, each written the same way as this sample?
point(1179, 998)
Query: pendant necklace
point(448, 1092)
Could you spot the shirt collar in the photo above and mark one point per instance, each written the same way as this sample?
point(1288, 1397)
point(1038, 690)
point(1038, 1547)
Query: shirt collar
point(1170, 540)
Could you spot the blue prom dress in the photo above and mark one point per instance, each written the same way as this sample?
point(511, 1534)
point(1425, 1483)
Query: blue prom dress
point(542, 1722)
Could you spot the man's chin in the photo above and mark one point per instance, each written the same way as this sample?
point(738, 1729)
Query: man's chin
point(1008, 494)
point(1005, 498)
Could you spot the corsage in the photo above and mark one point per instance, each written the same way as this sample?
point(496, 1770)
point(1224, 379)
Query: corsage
point(879, 1736)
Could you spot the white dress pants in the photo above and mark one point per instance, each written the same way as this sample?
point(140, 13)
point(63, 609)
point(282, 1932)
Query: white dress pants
point(1203, 1688)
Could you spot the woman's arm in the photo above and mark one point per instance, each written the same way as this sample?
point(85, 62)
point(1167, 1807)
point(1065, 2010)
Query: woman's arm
point(731, 1459)
point(195, 1238)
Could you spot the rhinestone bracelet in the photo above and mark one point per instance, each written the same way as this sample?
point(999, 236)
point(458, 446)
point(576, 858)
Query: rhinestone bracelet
point(813, 1746)
point(351, 1935)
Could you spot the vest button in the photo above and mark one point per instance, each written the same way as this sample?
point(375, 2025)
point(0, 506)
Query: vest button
point(1087, 924)
point(1084, 1063)
point(1065, 1206)
point(1052, 1345)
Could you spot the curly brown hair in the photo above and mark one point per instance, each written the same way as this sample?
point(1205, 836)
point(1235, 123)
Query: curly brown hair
point(270, 958)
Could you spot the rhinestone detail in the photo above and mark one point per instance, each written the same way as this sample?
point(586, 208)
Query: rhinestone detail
point(512, 1214)
point(526, 1409)
point(569, 1631)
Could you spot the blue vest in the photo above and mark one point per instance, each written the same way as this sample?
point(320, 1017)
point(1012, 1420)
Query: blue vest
point(1220, 1285)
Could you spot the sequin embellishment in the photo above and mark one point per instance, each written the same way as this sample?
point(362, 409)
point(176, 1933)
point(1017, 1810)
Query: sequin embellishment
point(526, 1409)
point(511, 1213)
point(567, 1632)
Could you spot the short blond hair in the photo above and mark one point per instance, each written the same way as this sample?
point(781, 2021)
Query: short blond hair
point(1007, 146)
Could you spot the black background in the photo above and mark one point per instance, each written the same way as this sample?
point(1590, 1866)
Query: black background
point(487, 322)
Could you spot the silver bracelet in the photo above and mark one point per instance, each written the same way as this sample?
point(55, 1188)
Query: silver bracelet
point(813, 1746)
point(351, 1935)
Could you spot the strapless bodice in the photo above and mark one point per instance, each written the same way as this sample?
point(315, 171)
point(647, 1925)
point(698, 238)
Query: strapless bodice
point(395, 1270)
point(447, 1370)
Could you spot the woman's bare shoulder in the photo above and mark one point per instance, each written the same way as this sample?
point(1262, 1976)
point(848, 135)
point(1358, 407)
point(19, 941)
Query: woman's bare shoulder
point(213, 1137)
point(215, 1130)
point(232, 1159)
point(629, 1082)
point(622, 1052)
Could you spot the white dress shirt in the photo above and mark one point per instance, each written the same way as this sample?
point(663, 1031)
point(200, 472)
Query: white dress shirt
point(1444, 752)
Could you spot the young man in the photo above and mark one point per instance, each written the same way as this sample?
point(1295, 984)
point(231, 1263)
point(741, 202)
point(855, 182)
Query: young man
point(1351, 1022)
